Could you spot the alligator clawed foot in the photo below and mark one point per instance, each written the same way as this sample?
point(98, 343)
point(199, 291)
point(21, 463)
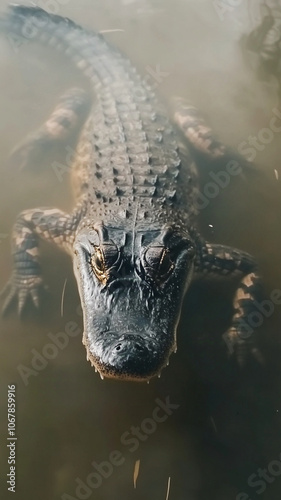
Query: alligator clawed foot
point(21, 289)
point(257, 355)
point(243, 350)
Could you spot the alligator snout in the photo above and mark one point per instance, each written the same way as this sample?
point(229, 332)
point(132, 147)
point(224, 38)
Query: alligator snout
point(130, 357)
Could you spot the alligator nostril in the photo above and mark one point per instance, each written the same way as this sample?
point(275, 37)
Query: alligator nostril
point(129, 344)
point(132, 355)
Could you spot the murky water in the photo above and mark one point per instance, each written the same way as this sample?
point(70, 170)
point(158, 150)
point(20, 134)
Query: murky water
point(221, 430)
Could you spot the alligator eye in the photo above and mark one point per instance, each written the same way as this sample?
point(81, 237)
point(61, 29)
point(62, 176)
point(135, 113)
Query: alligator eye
point(103, 260)
point(157, 262)
point(97, 262)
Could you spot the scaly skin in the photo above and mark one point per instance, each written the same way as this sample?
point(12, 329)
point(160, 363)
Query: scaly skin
point(132, 233)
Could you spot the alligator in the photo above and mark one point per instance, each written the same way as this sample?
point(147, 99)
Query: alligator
point(132, 234)
point(265, 42)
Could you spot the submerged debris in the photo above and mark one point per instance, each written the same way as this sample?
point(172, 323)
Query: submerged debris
point(168, 488)
point(136, 472)
point(62, 297)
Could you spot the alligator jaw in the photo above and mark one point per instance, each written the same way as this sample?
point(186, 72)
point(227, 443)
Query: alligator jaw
point(110, 372)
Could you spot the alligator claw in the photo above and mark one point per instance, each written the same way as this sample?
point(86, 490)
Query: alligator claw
point(242, 349)
point(35, 297)
point(5, 289)
point(245, 353)
point(20, 289)
point(22, 296)
point(7, 302)
point(258, 355)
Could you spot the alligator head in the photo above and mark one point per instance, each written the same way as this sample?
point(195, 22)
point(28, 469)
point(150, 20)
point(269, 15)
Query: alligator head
point(131, 285)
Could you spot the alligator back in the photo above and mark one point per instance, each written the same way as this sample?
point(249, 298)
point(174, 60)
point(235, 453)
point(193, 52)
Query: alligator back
point(136, 174)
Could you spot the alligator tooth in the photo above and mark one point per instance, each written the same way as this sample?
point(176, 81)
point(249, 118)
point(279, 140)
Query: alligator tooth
point(101, 376)
point(147, 381)
point(168, 363)
point(96, 370)
point(159, 375)
point(175, 350)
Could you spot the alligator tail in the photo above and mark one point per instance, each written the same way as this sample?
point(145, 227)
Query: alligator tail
point(87, 49)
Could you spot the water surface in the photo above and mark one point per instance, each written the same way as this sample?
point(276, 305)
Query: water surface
point(224, 428)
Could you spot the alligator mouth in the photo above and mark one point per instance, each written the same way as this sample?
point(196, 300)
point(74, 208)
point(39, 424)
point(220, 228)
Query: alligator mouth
point(129, 358)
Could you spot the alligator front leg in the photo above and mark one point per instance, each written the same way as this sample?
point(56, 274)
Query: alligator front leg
point(225, 261)
point(50, 224)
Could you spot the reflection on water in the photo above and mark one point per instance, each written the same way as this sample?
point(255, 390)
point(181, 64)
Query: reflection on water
point(219, 430)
